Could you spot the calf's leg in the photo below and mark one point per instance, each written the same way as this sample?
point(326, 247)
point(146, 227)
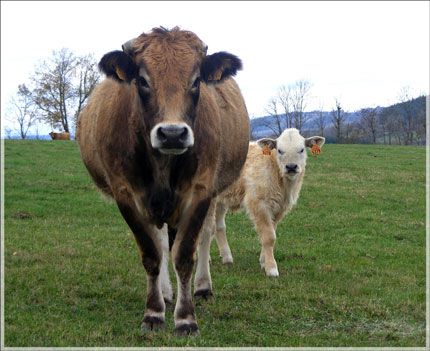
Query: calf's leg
point(266, 231)
point(220, 234)
point(202, 278)
point(166, 286)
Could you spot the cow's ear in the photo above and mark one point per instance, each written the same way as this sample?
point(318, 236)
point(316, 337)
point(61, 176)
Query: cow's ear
point(118, 65)
point(315, 140)
point(267, 142)
point(219, 66)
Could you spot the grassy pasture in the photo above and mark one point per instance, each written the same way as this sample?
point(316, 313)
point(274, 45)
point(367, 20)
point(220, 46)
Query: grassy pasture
point(351, 258)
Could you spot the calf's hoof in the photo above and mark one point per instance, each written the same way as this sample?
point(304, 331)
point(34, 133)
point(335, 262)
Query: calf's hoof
point(227, 260)
point(151, 323)
point(187, 329)
point(203, 294)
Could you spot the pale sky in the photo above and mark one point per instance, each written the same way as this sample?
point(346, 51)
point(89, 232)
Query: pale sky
point(362, 53)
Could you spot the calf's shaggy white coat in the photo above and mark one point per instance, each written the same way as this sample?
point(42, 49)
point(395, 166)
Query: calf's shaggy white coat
point(267, 189)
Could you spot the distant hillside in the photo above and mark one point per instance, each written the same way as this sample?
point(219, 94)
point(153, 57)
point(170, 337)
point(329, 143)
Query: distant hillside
point(264, 126)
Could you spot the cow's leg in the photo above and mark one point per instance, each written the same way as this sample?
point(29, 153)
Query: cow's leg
point(202, 278)
point(266, 230)
point(152, 255)
point(183, 251)
point(220, 234)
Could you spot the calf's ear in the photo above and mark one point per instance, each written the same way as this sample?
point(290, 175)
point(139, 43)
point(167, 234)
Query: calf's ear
point(315, 140)
point(270, 143)
point(119, 66)
point(218, 66)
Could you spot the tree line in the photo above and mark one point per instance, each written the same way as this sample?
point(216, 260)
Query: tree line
point(403, 123)
point(59, 87)
point(55, 93)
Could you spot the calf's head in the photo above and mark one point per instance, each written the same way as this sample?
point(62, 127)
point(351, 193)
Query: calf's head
point(290, 151)
point(167, 67)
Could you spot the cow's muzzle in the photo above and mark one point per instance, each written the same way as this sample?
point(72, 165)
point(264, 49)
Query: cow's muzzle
point(172, 138)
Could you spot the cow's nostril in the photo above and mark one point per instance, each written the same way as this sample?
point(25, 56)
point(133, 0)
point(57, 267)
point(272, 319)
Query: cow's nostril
point(184, 134)
point(161, 135)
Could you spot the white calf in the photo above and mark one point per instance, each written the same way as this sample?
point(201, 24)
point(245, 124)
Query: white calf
point(267, 189)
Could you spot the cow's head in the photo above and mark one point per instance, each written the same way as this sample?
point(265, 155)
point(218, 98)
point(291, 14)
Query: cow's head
point(167, 67)
point(290, 151)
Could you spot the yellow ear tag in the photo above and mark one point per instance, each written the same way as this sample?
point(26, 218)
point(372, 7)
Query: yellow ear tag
point(266, 150)
point(315, 150)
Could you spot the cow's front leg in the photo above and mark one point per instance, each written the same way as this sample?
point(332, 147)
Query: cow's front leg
point(147, 239)
point(267, 232)
point(183, 252)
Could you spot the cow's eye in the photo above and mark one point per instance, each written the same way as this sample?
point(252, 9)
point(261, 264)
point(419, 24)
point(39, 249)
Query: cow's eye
point(143, 83)
point(196, 84)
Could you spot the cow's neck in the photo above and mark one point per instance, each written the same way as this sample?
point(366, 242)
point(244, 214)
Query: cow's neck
point(163, 177)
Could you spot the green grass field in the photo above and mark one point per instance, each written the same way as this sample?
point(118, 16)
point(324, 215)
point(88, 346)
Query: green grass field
point(351, 257)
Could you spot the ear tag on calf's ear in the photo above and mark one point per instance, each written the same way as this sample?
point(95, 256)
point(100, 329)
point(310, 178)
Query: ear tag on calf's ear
point(266, 150)
point(315, 150)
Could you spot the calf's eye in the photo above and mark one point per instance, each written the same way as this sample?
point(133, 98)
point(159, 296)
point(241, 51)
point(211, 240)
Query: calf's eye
point(280, 152)
point(301, 151)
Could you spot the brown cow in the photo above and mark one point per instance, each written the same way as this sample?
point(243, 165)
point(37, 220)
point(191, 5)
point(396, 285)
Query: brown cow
point(60, 136)
point(164, 134)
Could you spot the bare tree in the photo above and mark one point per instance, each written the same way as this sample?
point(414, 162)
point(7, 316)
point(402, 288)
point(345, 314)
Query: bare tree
point(407, 115)
point(369, 122)
point(299, 98)
point(420, 126)
point(338, 118)
point(62, 85)
point(53, 91)
point(22, 110)
point(272, 110)
point(89, 76)
point(390, 122)
point(8, 132)
point(321, 121)
point(284, 99)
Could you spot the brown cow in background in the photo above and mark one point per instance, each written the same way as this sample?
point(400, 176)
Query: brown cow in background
point(164, 134)
point(60, 136)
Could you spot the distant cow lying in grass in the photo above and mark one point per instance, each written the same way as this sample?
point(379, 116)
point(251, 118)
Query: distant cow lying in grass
point(60, 136)
point(268, 188)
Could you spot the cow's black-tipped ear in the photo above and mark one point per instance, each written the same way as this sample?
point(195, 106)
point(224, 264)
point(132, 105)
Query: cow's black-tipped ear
point(118, 65)
point(219, 66)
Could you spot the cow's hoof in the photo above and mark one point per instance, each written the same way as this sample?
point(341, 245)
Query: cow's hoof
point(168, 301)
point(187, 329)
point(203, 294)
point(272, 272)
point(151, 323)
